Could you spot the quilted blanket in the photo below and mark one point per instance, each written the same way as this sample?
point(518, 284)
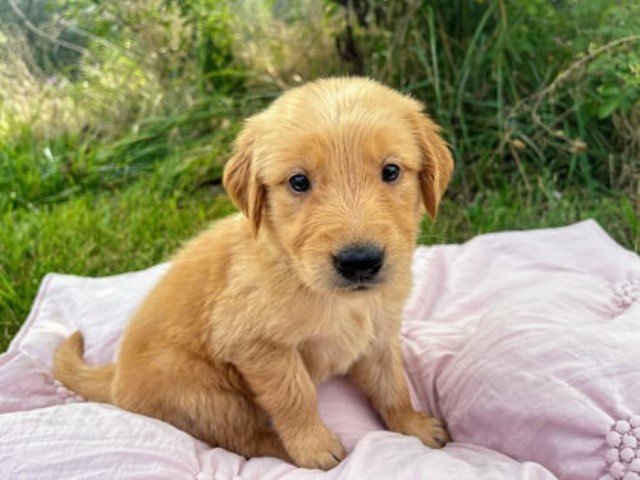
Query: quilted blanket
point(526, 343)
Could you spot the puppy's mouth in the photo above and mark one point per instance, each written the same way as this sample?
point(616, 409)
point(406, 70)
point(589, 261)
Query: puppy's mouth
point(358, 286)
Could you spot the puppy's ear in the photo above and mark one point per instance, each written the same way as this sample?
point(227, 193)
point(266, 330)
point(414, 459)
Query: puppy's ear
point(437, 163)
point(241, 181)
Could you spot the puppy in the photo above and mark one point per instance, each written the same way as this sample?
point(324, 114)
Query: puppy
point(308, 282)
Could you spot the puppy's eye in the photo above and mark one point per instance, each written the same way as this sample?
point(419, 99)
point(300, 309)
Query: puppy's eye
point(299, 183)
point(390, 172)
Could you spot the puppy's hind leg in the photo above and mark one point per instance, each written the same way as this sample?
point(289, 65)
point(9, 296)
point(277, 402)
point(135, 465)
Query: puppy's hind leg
point(231, 421)
point(261, 442)
point(206, 401)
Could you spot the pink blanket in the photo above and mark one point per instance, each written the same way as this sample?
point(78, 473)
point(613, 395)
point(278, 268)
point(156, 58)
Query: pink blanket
point(526, 343)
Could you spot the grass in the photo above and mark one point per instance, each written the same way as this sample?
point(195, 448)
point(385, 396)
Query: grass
point(104, 230)
point(97, 234)
point(112, 159)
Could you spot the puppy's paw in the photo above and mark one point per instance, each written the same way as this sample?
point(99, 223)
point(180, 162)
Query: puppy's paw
point(315, 448)
point(429, 430)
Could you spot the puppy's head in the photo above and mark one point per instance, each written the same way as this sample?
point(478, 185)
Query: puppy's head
point(337, 174)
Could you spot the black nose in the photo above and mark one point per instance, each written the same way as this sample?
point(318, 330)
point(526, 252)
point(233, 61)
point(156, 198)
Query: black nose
point(359, 262)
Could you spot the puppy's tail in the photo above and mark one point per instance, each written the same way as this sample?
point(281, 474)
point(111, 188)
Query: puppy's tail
point(93, 383)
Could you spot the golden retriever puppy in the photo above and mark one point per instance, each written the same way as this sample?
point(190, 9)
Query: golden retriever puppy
point(309, 281)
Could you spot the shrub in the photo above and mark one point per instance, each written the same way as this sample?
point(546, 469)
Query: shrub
point(520, 86)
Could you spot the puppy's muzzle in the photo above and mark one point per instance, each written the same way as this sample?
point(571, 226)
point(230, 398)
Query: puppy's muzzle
point(359, 263)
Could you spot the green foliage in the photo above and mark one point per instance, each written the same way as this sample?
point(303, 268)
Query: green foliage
point(614, 76)
point(116, 117)
point(522, 86)
point(94, 234)
point(211, 23)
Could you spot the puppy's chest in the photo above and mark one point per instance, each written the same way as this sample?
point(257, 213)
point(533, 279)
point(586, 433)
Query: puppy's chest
point(334, 352)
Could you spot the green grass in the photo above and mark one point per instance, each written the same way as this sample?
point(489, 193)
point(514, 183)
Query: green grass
point(518, 87)
point(107, 230)
point(494, 211)
point(96, 234)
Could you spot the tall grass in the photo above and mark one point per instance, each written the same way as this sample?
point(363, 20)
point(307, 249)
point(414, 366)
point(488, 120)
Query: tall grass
point(522, 87)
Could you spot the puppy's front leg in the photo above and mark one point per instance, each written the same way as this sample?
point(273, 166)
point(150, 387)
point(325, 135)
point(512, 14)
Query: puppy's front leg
point(281, 384)
point(380, 374)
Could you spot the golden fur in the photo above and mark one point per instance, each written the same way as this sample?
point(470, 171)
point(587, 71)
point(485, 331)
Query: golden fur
point(252, 314)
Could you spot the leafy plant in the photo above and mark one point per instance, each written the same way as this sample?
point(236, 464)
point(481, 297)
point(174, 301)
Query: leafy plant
point(521, 86)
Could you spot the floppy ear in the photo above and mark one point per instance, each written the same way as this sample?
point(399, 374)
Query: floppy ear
point(437, 163)
point(241, 181)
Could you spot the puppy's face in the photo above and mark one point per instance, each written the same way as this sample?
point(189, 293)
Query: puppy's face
point(337, 173)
